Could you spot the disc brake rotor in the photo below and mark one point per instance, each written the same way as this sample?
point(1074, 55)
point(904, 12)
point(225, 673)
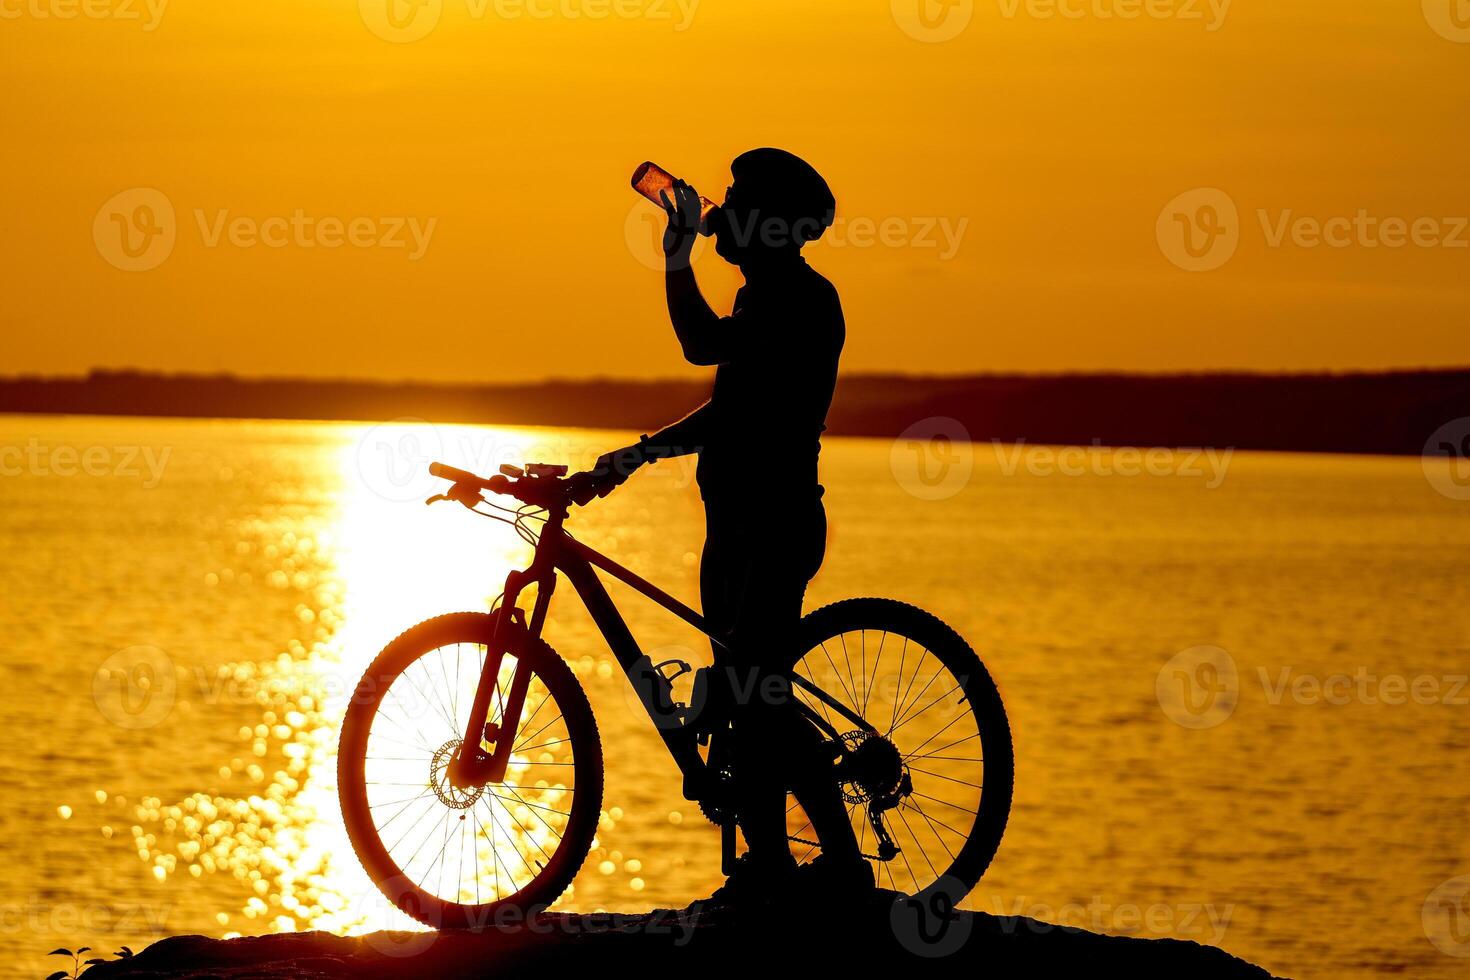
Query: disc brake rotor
point(449, 794)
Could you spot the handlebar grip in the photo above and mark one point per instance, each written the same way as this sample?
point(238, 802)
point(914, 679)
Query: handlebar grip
point(454, 474)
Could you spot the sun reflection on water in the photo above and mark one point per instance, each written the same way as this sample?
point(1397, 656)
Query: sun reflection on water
point(383, 564)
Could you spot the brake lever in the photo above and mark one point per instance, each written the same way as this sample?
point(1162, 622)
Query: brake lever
point(466, 496)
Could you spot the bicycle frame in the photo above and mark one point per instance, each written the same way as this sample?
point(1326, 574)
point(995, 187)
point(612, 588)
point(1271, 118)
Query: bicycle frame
point(558, 551)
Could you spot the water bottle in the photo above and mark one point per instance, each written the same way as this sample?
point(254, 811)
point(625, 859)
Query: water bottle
point(649, 179)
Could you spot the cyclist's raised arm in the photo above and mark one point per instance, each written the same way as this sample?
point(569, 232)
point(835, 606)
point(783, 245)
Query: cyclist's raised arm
point(695, 324)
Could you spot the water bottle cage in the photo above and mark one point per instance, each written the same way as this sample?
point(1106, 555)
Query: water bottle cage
point(681, 668)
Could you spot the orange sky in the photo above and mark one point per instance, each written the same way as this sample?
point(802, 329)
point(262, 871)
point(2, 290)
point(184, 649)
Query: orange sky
point(1001, 194)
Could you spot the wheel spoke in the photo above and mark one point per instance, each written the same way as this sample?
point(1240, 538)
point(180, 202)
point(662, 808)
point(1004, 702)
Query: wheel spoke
point(923, 727)
point(422, 832)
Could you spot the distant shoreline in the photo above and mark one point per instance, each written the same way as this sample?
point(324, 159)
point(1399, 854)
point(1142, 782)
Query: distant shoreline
point(1391, 412)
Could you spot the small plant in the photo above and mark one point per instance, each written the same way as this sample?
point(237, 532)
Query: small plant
point(77, 962)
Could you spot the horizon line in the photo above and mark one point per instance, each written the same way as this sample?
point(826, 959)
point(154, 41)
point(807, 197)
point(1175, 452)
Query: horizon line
point(549, 380)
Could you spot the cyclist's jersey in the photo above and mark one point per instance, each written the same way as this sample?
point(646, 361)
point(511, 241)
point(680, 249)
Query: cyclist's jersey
point(773, 386)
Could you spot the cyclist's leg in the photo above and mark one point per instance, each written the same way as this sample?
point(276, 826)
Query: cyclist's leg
point(808, 773)
point(726, 571)
point(755, 580)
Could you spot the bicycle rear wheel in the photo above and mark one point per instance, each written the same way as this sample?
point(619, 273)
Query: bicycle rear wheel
point(940, 757)
point(452, 856)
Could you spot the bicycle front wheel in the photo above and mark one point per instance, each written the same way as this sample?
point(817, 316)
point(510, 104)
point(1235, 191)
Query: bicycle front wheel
point(937, 764)
point(453, 856)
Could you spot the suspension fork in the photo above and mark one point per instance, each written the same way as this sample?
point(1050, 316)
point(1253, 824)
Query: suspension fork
point(471, 766)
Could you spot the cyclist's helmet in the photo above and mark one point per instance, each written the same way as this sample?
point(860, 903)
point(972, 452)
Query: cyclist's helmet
point(783, 186)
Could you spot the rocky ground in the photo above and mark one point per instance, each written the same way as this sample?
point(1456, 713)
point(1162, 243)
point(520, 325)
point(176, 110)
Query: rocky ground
point(882, 934)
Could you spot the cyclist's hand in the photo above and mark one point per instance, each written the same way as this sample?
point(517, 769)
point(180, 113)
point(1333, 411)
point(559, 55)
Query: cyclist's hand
point(683, 214)
point(609, 472)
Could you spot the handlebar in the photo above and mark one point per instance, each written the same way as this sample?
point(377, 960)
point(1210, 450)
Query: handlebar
point(456, 475)
point(542, 487)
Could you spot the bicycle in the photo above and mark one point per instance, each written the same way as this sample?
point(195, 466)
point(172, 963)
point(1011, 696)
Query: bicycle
point(526, 798)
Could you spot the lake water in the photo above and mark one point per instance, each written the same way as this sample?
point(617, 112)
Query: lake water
point(1236, 683)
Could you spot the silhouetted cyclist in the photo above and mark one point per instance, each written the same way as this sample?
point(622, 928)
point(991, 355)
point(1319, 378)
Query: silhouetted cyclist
point(777, 356)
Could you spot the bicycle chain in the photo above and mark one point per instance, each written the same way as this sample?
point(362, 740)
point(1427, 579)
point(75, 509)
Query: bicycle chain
point(812, 843)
